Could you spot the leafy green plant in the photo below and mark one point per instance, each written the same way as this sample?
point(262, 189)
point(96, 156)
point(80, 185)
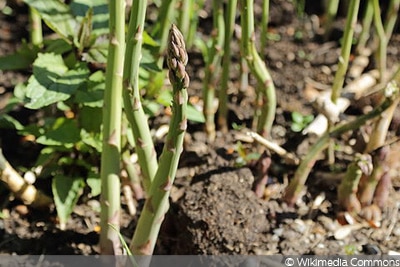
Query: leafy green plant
point(299, 121)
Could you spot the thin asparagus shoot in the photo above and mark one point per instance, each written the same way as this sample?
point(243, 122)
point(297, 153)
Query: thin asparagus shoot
point(131, 95)
point(226, 62)
point(157, 203)
point(344, 58)
point(212, 69)
point(258, 68)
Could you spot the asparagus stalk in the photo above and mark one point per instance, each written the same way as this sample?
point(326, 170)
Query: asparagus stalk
point(226, 62)
point(347, 191)
point(161, 30)
point(112, 113)
point(366, 27)
point(36, 32)
point(132, 98)
point(212, 69)
point(258, 69)
point(391, 17)
point(297, 184)
point(264, 24)
point(344, 58)
point(382, 40)
point(157, 203)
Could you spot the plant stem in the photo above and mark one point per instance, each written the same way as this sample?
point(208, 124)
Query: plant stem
point(382, 41)
point(344, 58)
point(112, 113)
point(212, 68)
point(391, 17)
point(347, 191)
point(186, 13)
point(36, 32)
point(366, 27)
point(297, 184)
point(132, 98)
point(226, 62)
point(157, 203)
point(258, 69)
point(264, 24)
point(165, 15)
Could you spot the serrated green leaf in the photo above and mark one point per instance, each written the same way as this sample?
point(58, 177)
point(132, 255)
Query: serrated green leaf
point(92, 94)
point(64, 132)
point(79, 8)
point(52, 81)
point(57, 16)
point(66, 191)
point(97, 53)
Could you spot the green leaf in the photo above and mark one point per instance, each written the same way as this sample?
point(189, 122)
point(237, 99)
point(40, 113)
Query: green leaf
point(97, 53)
point(90, 119)
point(194, 114)
point(92, 94)
point(63, 133)
point(94, 182)
point(93, 140)
point(100, 18)
point(148, 40)
point(22, 59)
point(66, 191)
point(57, 46)
point(295, 127)
point(297, 117)
point(57, 15)
point(52, 81)
point(8, 122)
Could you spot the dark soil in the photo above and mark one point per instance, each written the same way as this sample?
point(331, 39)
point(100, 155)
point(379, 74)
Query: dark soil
point(213, 208)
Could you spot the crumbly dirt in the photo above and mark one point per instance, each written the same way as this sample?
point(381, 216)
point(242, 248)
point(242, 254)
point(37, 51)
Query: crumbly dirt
point(213, 207)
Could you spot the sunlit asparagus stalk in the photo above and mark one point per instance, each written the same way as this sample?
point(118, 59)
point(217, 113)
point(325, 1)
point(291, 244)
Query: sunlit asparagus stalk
point(157, 203)
point(112, 112)
point(344, 58)
point(226, 63)
point(347, 191)
point(132, 97)
point(36, 32)
point(296, 186)
point(258, 69)
point(212, 69)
